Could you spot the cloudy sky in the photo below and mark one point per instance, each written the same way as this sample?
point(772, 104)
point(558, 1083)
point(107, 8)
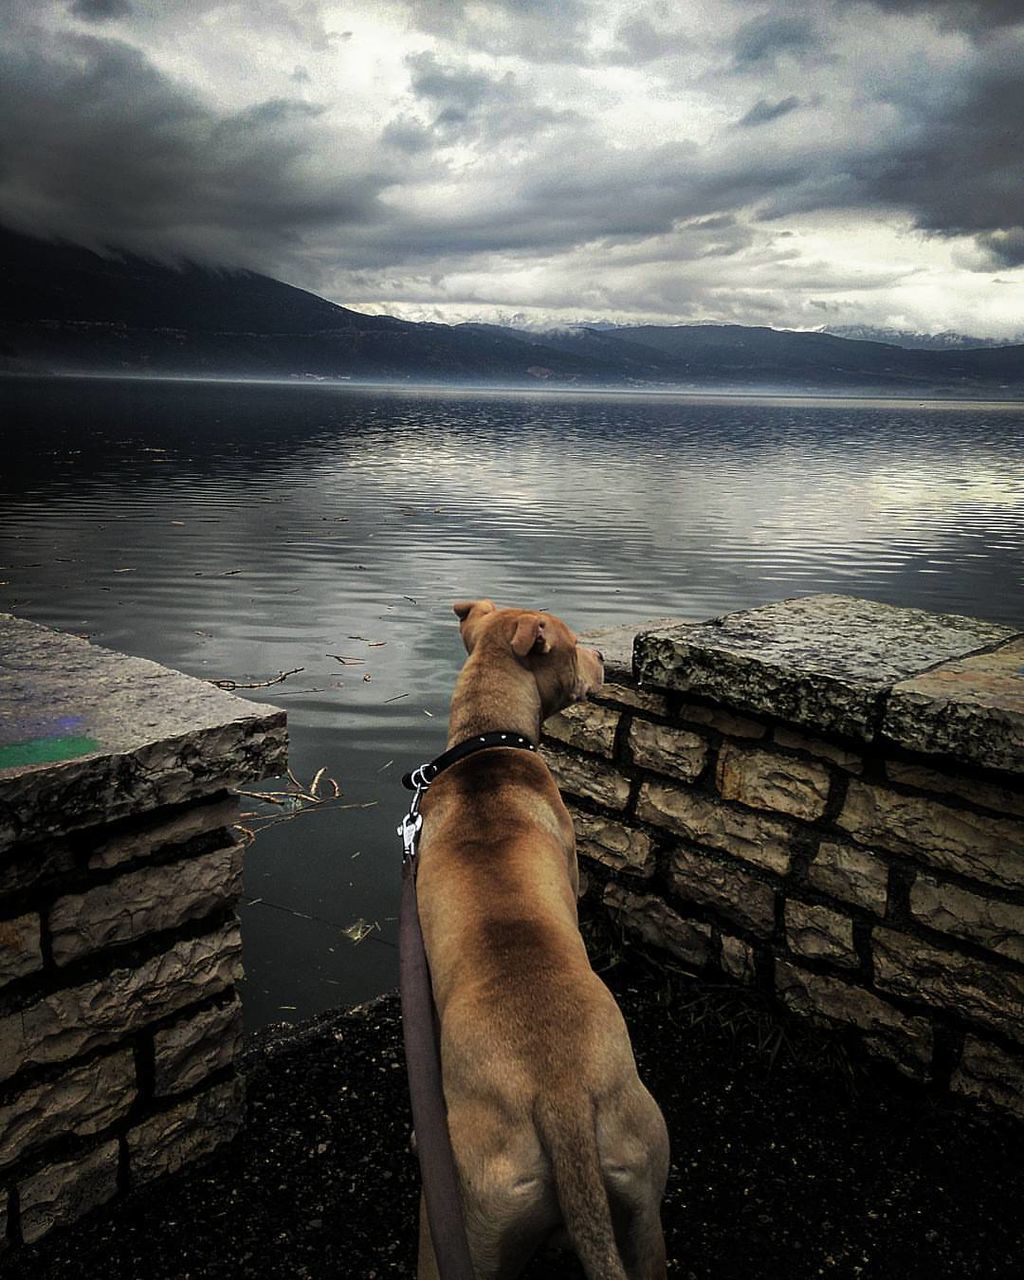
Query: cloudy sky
point(761, 161)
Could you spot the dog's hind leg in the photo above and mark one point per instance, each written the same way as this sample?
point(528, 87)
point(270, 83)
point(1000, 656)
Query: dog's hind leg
point(635, 1159)
point(639, 1237)
point(507, 1219)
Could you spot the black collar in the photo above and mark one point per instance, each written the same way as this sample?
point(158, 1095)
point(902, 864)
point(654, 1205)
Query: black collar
point(422, 777)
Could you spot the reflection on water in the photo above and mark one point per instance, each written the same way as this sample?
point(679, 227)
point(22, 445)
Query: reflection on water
point(235, 531)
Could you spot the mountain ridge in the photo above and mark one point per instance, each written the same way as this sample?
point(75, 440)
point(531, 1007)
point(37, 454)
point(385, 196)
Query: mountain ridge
point(71, 310)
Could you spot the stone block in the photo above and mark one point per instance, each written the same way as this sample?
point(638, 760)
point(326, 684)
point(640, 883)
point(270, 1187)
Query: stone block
point(78, 1019)
point(823, 662)
point(143, 839)
point(143, 902)
point(947, 908)
point(167, 1142)
point(90, 736)
point(773, 781)
point(722, 720)
point(739, 959)
point(588, 778)
point(990, 1074)
point(970, 844)
point(905, 1041)
point(21, 951)
point(851, 761)
point(657, 924)
point(82, 1101)
point(677, 752)
point(190, 1050)
point(726, 889)
point(854, 875)
point(765, 842)
point(989, 795)
point(616, 644)
point(626, 695)
point(970, 708)
point(982, 993)
point(817, 933)
point(62, 1192)
point(620, 847)
point(585, 725)
point(26, 867)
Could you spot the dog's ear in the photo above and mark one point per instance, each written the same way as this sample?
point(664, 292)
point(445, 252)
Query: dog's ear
point(469, 613)
point(530, 635)
point(463, 608)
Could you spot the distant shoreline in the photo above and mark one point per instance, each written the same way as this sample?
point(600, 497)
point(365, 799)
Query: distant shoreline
point(711, 396)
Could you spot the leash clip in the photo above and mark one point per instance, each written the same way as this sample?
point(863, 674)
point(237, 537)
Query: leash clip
point(410, 826)
point(410, 831)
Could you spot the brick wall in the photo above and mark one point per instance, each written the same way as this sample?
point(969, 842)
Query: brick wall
point(823, 798)
point(119, 944)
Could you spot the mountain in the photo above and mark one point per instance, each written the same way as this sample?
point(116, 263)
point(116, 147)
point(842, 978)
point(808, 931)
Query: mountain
point(944, 341)
point(69, 310)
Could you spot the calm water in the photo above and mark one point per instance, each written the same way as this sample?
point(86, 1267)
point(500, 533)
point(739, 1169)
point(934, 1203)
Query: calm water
point(235, 531)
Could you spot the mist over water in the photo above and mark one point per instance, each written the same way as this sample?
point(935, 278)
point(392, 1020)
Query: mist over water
point(234, 531)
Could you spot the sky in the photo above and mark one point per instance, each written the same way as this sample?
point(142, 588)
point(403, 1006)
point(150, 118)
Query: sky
point(541, 162)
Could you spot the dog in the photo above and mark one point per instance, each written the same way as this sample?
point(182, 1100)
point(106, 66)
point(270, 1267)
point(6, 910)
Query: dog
point(553, 1133)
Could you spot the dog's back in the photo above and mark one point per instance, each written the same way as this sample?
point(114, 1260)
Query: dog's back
point(550, 1124)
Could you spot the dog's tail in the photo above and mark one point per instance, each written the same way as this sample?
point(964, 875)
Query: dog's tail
point(566, 1127)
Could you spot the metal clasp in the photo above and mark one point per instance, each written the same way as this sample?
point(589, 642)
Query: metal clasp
point(410, 826)
point(410, 831)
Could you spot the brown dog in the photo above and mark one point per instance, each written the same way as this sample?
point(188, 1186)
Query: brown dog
point(549, 1122)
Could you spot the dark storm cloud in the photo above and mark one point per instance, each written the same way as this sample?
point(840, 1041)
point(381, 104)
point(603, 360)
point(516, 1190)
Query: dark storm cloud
point(759, 42)
point(452, 87)
point(469, 104)
point(1005, 248)
point(598, 194)
point(100, 10)
point(958, 169)
point(639, 41)
point(966, 15)
point(764, 111)
point(98, 147)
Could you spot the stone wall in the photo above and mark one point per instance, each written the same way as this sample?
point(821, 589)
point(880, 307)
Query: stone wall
point(823, 798)
point(119, 943)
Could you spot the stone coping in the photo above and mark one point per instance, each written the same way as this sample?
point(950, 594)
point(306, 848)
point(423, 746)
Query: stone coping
point(930, 682)
point(616, 643)
point(88, 735)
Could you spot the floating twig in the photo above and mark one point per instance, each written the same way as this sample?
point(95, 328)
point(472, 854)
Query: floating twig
point(297, 798)
point(281, 676)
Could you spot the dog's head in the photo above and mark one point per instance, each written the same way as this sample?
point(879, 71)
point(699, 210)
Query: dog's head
point(564, 669)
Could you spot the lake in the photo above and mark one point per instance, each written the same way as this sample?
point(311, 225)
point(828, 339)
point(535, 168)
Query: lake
point(238, 530)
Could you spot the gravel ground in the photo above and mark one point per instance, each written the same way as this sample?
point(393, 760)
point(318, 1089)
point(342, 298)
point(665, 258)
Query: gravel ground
point(787, 1161)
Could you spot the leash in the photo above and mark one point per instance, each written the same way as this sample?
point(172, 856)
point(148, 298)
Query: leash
point(420, 1029)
